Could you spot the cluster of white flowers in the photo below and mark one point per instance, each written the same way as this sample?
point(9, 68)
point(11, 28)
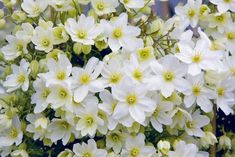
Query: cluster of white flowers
point(107, 78)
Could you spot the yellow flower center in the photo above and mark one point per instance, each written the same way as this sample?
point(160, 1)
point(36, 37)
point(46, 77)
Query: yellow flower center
point(230, 36)
point(220, 18)
point(191, 13)
point(61, 75)
point(197, 58)
point(144, 53)
point(63, 93)
point(85, 79)
point(138, 75)
point(14, 133)
point(168, 76)
point(89, 120)
point(131, 99)
point(190, 125)
point(20, 79)
point(87, 155)
point(19, 47)
point(58, 33)
point(115, 77)
point(115, 137)
point(100, 6)
point(220, 91)
point(196, 90)
point(203, 9)
point(46, 92)
point(45, 42)
point(134, 152)
point(117, 33)
point(228, 1)
point(82, 34)
point(65, 124)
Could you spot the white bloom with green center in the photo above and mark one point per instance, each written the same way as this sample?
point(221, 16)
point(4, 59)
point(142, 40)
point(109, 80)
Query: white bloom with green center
point(229, 64)
point(113, 71)
point(138, 72)
point(40, 96)
point(60, 129)
point(179, 117)
point(108, 105)
point(60, 95)
point(193, 127)
point(85, 80)
point(196, 92)
point(19, 77)
point(135, 147)
point(61, 5)
point(88, 150)
point(17, 45)
point(199, 57)
point(168, 76)
point(59, 71)
point(161, 114)
point(43, 39)
point(12, 135)
point(34, 7)
point(102, 7)
point(224, 5)
point(186, 150)
point(38, 125)
point(225, 95)
point(219, 21)
point(120, 34)
point(133, 4)
point(60, 35)
point(189, 13)
point(84, 30)
point(228, 38)
point(132, 101)
point(115, 140)
point(89, 120)
point(26, 32)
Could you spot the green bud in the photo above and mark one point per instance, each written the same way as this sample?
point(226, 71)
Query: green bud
point(208, 127)
point(42, 66)
point(155, 27)
point(66, 153)
point(47, 142)
point(7, 70)
point(34, 66)
point(100, 144)
point(101, 44)
point(23, 146)
point(1, 13)
point(77, 48)
point(72, 13)
point(86, 49)
point(19, 16)
point(54, 54)
point(2, 23)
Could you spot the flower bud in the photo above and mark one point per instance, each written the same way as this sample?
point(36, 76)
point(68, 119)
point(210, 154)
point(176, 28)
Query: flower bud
point(66, 153)
point(101, 45)
point(2, 23)
point(1, 13)
point(34, 66)
point(208, 139)
point(77, 48)
point(225, 142)
point(155, 27)
point(86, 49)
point(163, 147)
point(19, 16)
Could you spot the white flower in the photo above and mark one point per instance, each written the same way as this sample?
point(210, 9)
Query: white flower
point(84, 30)
point(60, 95)
point(88, 150)
point(135, 147)
point(26, 33)
point(193, 127)
point(104, 6)
point(225, 95)
point(198, 57)
point(229, 37)
point(89, 120)
point(133, 4)
point(19, 152)
point(114, 140)
point(43, 39)
point(224, 5)
point(189, 13)
point(161, 116)
point(38, 125)
point(34, 7)
point(168, 75)
point(60, 35)
point(186, 150)
point(12, 135)
point(225, 142)
point(208, 139)
point(60, 129)
point(61, 5)
point(196, 92)
point(108, 105)
point(40, 97)
point(17, 45)
point(19, 77)
point(113, 71)
point(179, 116)
point(85, 80)
point(59, 71)
point(120, 34)
point(163, 147)
point(132, 100)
